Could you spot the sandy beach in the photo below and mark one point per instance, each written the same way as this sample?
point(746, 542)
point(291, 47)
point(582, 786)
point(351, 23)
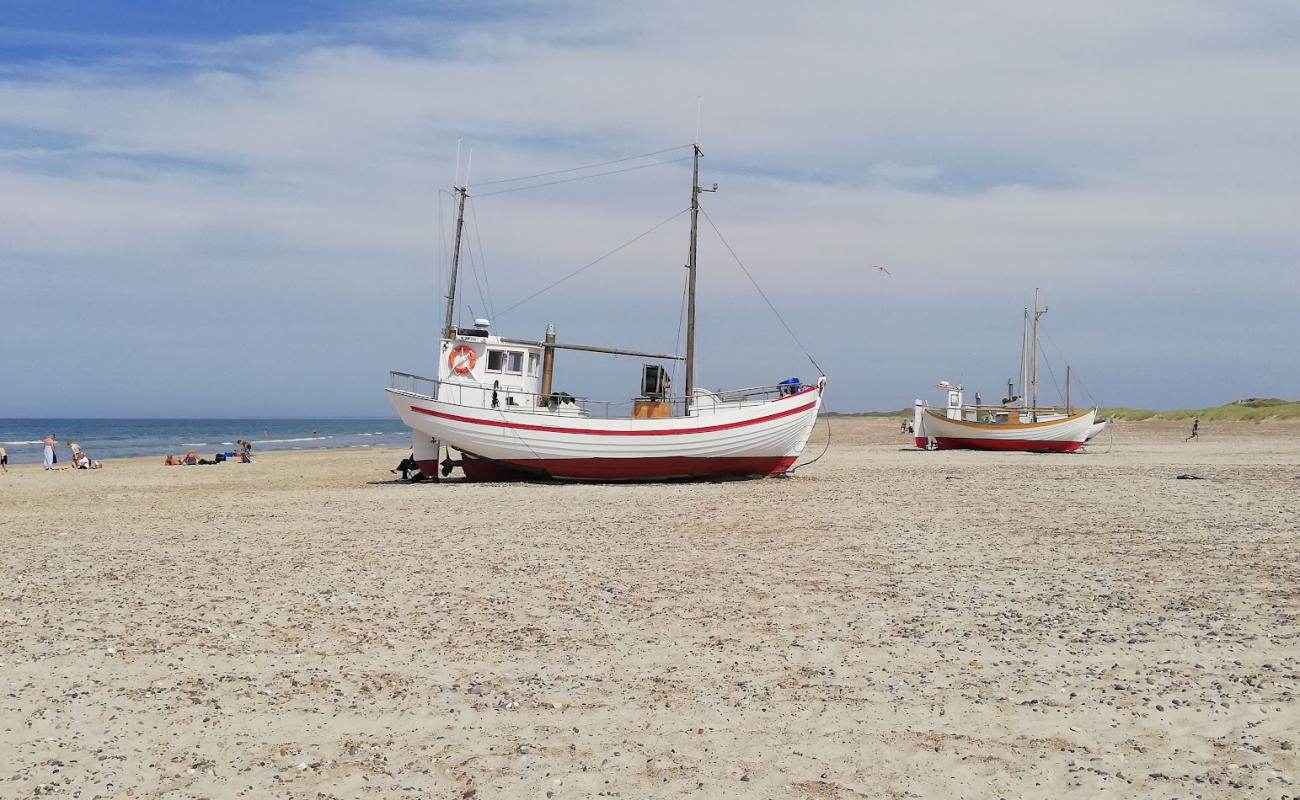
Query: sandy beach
point(887, 623)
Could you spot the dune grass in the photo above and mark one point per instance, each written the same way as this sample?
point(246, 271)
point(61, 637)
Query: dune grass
point(1253, 410)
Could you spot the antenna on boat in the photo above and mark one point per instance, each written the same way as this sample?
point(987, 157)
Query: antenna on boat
point(1024, 363)
point(690, 276)
point(1033, 379)
point(448, 327)
point(691, 267)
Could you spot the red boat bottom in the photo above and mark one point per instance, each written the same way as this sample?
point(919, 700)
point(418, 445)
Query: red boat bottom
point(626, 469)
point(1021, 445)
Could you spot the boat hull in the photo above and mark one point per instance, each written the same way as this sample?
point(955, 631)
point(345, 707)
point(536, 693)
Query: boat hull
point(1064, 435)
point(757, 440)
point(664, 468)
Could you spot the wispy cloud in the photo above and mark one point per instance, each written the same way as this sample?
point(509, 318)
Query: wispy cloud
point(1135, 161)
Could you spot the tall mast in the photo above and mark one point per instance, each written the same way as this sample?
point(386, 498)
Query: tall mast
point(1033, 376)
point(690, 278)
point(1024, 351)
point(1068, 408)
point(448, 327)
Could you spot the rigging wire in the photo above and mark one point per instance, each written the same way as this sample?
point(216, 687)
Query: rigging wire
point(1052, 372)
point(585, 177)
point(591, 264)
point(442, 240)
point(819, 455)
point(482, 257)
point(473, 268)
point(1061, 353)
point(681, 315)
point(761, 292)
point(579, 169)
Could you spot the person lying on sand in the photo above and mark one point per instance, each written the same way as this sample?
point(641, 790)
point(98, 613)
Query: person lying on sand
point(191, 457)
point(406, 466)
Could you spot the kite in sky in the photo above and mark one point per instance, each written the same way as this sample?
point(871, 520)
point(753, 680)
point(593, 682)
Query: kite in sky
point(887, 272)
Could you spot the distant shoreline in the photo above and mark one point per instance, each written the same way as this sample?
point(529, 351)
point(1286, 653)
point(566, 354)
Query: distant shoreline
point(1252, 410)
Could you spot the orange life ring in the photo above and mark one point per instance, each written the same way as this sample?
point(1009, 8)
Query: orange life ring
point(461, 359)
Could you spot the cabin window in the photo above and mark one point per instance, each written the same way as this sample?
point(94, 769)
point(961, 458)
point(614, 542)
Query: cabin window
point(532, 364)
point(510, 362)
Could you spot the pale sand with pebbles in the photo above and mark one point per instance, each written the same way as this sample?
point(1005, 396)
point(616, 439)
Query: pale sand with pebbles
point(888, 623)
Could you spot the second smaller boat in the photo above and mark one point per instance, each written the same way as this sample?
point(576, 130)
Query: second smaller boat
point(1014, 425)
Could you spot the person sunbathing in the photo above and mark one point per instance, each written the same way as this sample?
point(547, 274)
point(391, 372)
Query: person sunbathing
point(173, 461)
point(191, 457)
point(407, 466)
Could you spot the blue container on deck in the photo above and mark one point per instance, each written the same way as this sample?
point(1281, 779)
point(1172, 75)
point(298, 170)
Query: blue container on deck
point(790, 386)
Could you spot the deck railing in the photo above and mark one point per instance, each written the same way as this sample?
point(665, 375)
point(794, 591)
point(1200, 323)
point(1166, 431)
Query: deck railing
point(477, 395)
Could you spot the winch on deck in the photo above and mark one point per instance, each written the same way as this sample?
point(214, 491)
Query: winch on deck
point(654, 389)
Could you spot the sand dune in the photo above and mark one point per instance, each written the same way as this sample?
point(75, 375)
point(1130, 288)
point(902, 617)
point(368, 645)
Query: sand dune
point(887, 623)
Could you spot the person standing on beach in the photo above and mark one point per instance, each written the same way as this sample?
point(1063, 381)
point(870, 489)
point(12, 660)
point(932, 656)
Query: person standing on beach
point(1196, 430)
point(50, 459)
point(75, 449)
point(4, 460)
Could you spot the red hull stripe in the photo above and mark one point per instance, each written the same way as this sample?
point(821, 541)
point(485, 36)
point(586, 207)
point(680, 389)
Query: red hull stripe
point(628, 469)
point(1031, 445)
point(653, 432)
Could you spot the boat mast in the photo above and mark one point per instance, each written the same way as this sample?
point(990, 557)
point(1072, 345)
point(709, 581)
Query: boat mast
point(1033, 376)
point(690, 278)
point(1068, 408)
point(448, 328)
point(1024, 365)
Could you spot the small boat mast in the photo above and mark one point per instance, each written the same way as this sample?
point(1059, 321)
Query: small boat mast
point(1033, 376)
point(449, 331)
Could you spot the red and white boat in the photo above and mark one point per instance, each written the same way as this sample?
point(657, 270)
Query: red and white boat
point(493, 401)
point(1013, 425)
point(961, 426)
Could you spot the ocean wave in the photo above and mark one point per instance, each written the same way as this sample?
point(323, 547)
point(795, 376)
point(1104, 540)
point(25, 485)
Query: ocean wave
point(194, 444)
point(15, 444)
point(299, 439)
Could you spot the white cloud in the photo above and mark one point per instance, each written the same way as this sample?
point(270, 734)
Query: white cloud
point(1133, 160)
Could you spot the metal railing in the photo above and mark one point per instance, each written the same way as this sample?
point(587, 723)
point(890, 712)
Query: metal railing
point(478, 395)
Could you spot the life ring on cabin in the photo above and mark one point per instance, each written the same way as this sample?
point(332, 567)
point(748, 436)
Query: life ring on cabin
point(462, 359)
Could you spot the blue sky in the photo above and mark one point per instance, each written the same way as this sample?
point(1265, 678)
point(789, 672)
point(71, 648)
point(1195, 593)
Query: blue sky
point(233, 208)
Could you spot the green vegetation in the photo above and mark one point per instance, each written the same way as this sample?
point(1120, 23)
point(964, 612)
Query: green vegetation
point(1131, 414)
point(1255, 409)
point(906, 412)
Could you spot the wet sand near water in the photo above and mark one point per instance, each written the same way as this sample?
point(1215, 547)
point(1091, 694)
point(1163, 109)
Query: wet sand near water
point(887, 623)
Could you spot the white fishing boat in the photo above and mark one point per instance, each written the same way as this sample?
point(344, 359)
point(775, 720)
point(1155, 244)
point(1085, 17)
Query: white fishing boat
point(493, 400)
point(1017, 424)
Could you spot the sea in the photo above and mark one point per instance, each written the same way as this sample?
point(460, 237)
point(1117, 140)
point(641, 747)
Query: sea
point(105, 439)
